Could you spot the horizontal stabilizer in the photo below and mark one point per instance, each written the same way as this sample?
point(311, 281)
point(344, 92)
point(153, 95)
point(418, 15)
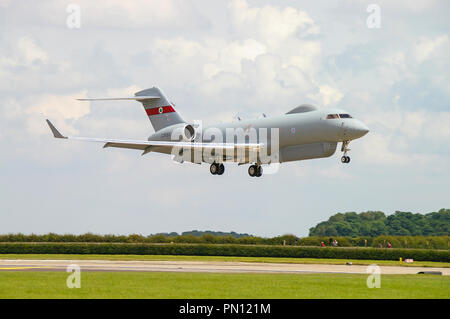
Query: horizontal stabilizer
point(133, 98)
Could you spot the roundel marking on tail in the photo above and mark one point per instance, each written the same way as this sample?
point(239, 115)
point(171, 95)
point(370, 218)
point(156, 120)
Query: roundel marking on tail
point(159, 110)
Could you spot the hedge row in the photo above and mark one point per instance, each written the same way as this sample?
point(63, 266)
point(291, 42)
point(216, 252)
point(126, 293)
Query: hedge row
point(426, 242)
point(225, 250)
point(429, 242)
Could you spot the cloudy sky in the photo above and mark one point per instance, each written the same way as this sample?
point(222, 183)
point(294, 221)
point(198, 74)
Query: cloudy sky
point(214, 60)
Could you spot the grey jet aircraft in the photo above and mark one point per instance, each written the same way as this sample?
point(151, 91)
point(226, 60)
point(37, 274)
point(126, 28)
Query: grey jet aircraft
point(304, 132)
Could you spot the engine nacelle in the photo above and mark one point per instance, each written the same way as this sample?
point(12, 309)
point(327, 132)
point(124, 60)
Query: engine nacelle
point(188, 132)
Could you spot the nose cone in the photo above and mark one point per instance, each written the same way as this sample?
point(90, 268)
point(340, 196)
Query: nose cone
point(362, 129)
point(357, 129)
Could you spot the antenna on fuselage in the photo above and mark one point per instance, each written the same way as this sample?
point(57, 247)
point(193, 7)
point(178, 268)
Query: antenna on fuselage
point(238, 117)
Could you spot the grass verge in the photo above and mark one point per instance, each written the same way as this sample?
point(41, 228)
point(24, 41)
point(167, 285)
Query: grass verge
point(17, 284)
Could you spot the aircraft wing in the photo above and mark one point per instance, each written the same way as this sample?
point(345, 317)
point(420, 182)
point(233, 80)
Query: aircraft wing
point(146, 146)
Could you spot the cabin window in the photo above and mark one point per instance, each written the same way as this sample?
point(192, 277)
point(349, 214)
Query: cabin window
point(345, 116)
point(332, 116)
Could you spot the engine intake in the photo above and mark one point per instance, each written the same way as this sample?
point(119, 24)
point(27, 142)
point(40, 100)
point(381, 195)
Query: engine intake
point(189, 132)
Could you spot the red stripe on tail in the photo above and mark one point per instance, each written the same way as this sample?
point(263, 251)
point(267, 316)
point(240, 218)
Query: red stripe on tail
point(159, 110)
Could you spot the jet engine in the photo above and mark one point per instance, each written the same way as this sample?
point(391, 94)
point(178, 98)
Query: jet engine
point(188, 132)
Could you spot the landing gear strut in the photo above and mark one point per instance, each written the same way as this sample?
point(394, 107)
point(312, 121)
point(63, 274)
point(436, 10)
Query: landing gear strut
point(345, 149)
point(217, 169)
point(255, 171)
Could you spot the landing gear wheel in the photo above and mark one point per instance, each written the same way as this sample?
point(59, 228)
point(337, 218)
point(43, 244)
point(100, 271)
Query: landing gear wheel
point(259, 171)
point(214, 168)
point(221, 169)
point(255, 171)
point(345, 159)
point(252, 170)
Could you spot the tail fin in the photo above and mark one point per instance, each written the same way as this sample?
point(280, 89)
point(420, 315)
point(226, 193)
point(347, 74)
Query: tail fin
point(159, 110)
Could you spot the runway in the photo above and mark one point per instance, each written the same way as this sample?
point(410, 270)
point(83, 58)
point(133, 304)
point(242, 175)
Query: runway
point(202, 266)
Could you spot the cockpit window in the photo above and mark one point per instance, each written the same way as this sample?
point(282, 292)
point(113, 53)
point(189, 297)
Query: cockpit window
point(336, 116)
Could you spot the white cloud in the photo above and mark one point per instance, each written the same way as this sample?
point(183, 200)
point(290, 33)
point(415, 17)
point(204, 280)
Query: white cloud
point(305, 55)
point(269, 59)
point(327, 95)
point(123, 92)
point(118, 14)
point(61, 107)
point(293, 77)
point(400, 137)
point(223, 82)
point(378, 149)
point(218, 67)
point(26, 52)
point(30, 51)
point(284, 31)
point(270, 24)
point(230, 56)
point(31, 113)
point(412, 124)
point(437, 127)
point(394, 67)
point(427, 48)
point(170, 55)
point(205, 58)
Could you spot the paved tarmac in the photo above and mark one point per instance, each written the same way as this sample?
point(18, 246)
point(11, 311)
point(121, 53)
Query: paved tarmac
point(202, 266)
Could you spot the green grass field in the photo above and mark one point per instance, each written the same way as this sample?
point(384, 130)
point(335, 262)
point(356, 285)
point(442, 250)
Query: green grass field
point(224, 258)
point(18, 284)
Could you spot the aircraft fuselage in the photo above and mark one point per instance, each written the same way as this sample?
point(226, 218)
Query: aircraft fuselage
point(301, 136)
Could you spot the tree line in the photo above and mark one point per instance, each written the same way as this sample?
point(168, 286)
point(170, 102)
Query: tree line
point(376, 223)
point(199, 233)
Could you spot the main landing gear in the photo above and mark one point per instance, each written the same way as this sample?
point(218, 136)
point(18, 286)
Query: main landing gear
point(345, 159)
point(255, 171)
point(217, 169)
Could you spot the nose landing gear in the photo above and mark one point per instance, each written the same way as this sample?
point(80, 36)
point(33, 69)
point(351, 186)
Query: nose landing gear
point(345, 149)
point(217, 169)
point(255, 171)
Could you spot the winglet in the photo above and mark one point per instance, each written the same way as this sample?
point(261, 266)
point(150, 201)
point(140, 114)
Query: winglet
point(55, 132)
